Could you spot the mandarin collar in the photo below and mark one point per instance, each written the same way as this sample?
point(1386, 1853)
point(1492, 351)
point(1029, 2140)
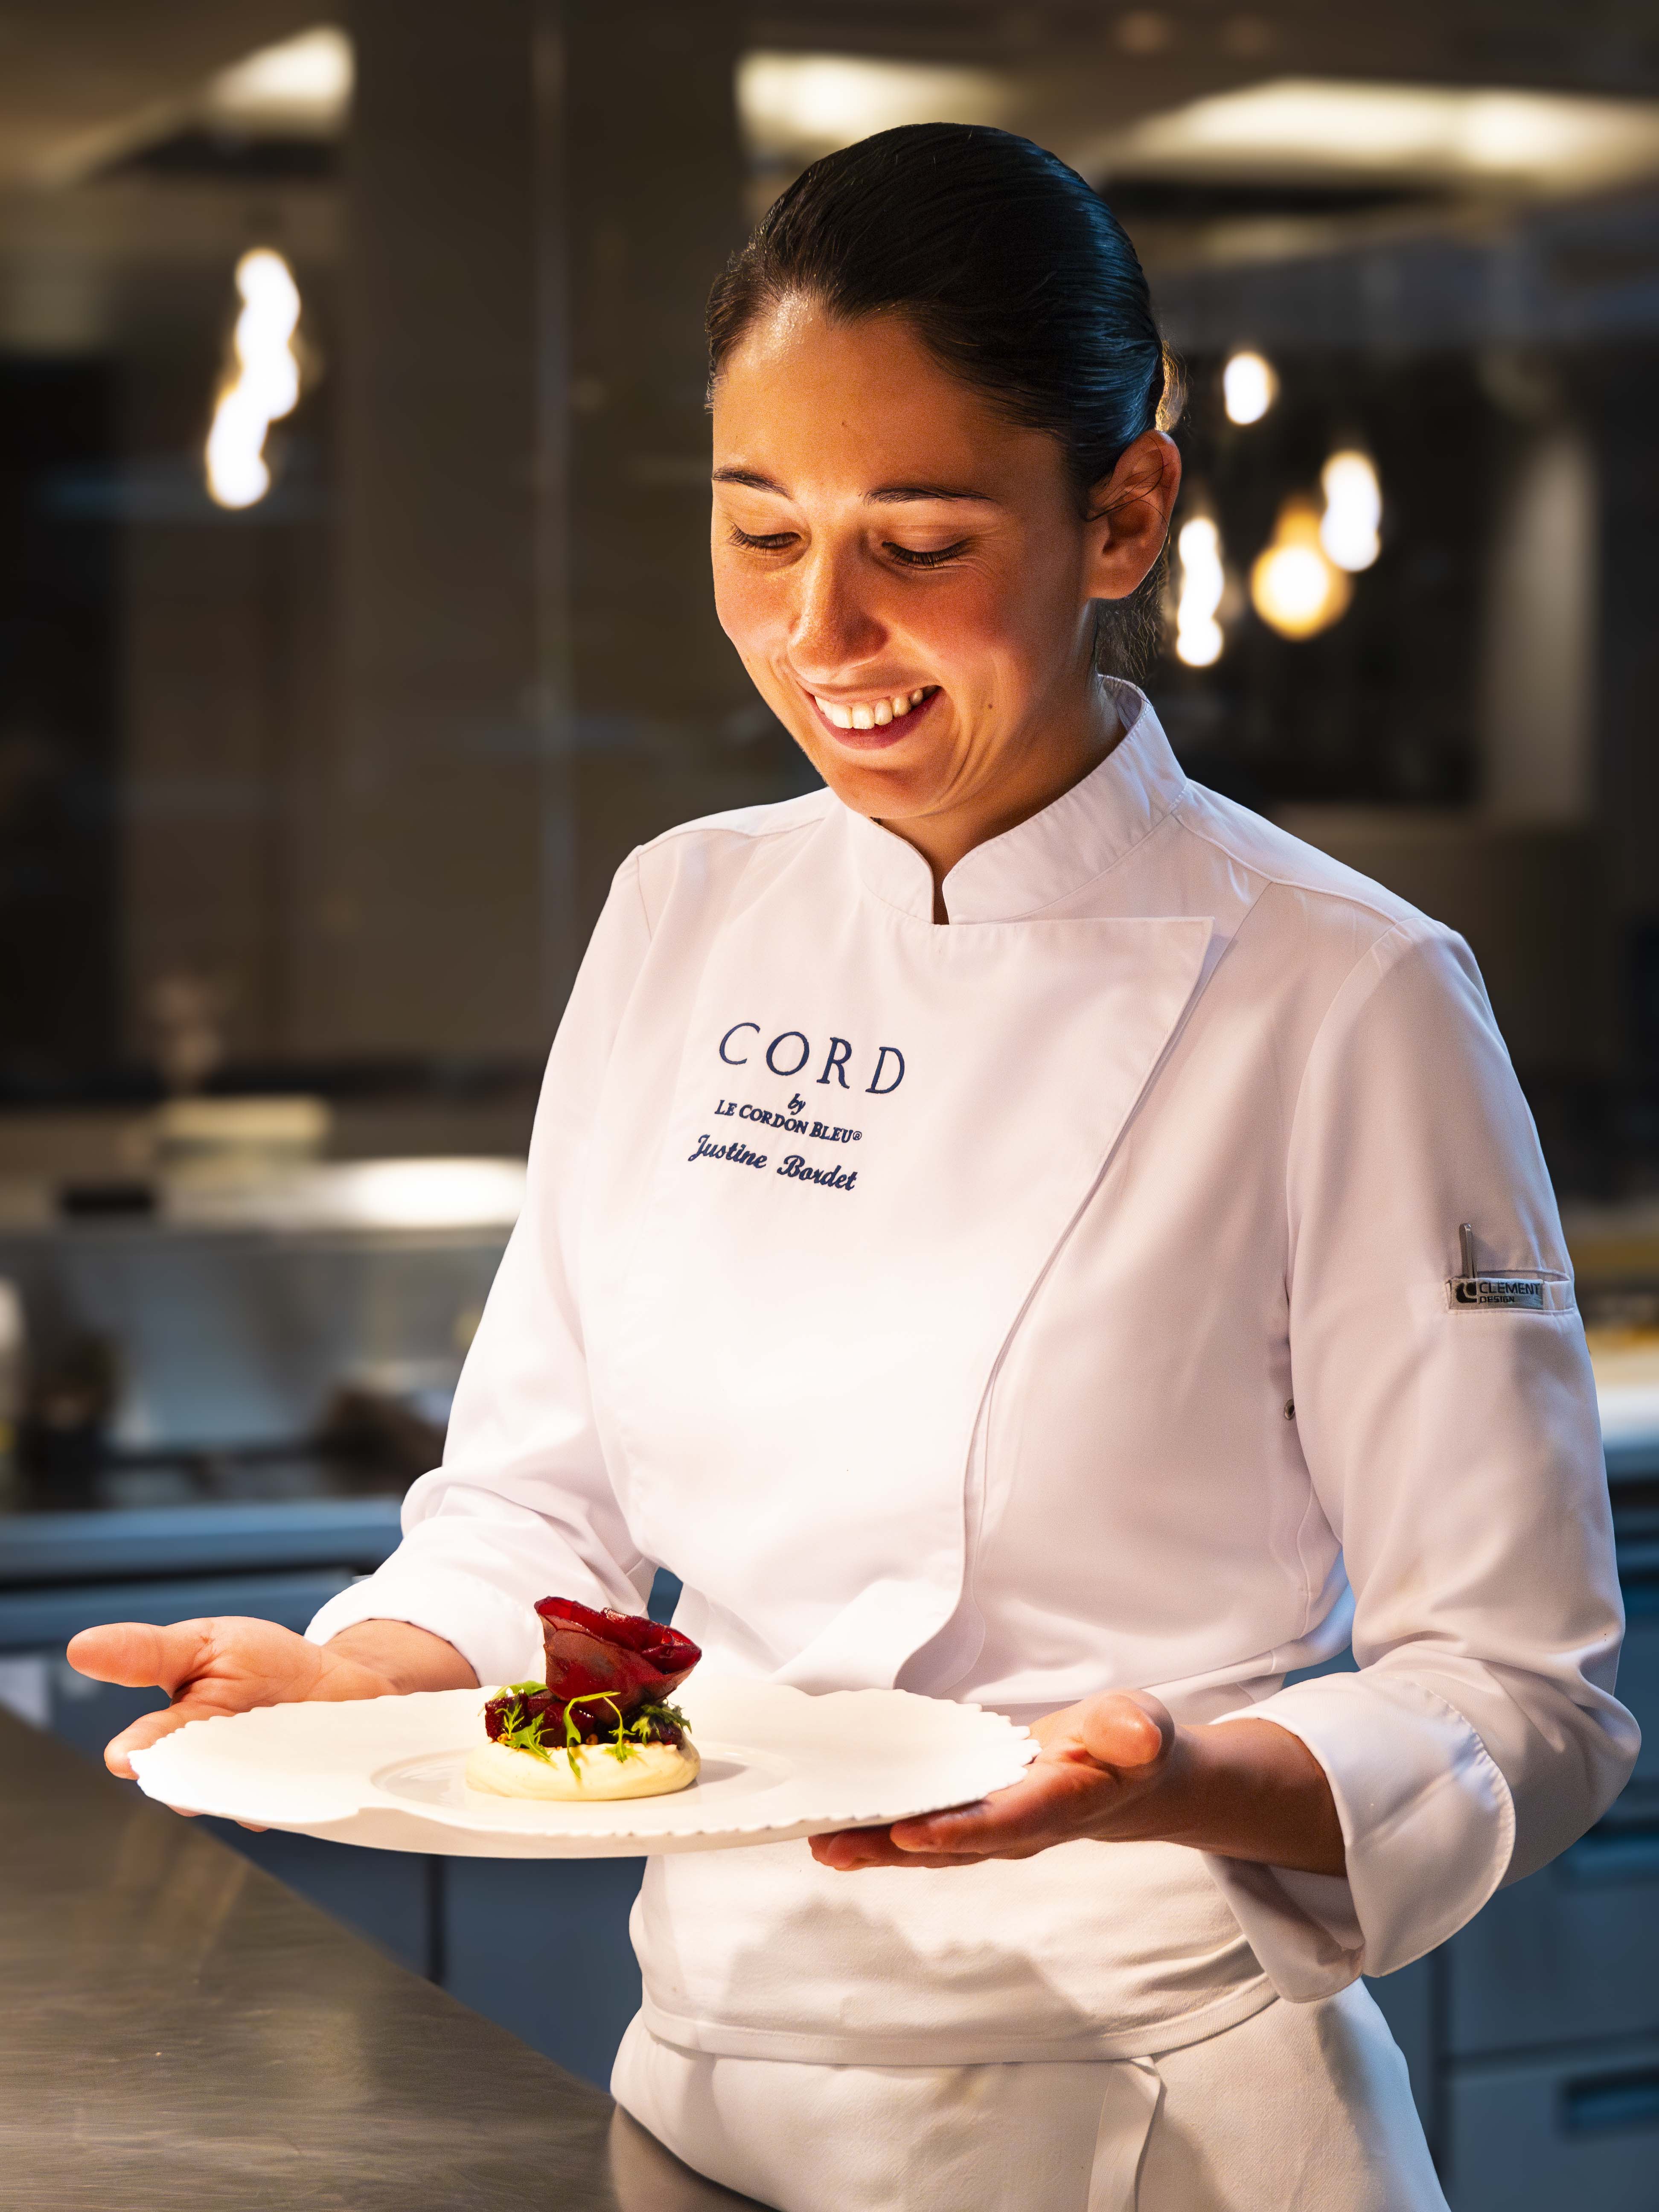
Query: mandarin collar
point(1077, 837)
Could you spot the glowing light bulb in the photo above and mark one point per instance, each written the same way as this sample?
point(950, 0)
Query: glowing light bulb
point(265, 384)
point(1198, 640)
point(1353, 509)
point(1249, 386)
point(1295, 587)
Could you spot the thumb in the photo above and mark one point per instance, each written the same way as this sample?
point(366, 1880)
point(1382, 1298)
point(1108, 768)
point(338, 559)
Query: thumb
point(140, 1656)
point(1124, 1728)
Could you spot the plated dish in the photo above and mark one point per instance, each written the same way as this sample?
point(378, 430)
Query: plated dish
point(598, 1725)
point(390, 1773)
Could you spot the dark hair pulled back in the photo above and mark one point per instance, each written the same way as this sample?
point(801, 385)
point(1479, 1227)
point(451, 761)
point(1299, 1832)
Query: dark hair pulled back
point(1016, 276)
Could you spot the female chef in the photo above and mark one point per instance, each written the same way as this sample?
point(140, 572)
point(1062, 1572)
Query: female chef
point(993, 1228)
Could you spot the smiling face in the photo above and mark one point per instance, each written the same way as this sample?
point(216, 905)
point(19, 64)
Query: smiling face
point(908, 576)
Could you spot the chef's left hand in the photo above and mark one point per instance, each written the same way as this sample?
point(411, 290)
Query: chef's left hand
point(1100, 1760)
point(1117, 1769)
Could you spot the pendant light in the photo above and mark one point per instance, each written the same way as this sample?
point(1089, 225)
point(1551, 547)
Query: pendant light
point(1295, 586)
point(263, 386)
point(1249, 386)
point(1201, 581)
point(1353, 509)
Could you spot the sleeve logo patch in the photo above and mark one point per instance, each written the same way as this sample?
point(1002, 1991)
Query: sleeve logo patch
point(1471, 1287)
point(1498, 1290)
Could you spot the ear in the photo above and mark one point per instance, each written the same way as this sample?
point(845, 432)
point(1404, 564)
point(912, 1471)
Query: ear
point(1129, 516)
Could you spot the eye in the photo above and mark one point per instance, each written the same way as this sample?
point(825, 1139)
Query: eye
point(776, 541)
point(908, 557)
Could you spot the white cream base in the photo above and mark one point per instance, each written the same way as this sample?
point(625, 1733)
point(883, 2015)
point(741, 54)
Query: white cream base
point(651, 1770)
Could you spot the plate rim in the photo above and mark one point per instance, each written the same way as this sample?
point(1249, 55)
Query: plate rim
point(355, 1798)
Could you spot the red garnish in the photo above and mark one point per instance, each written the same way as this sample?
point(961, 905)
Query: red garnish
point(606, 1666)
point(615, 1654)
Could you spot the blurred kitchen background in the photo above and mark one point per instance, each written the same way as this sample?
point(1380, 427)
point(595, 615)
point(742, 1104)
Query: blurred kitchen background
point(354, 622)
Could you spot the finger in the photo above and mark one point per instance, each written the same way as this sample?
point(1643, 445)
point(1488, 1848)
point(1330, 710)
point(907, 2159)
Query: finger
point(1043, 1807)
point(140, 1656)
point(847, 1847)
point(850, 1850)
point(143, 1732)
point(889, 1856)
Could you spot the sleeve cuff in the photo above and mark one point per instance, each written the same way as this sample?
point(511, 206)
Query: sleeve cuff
point(1428, 1823)
point(497, 1637)
point(1302, 1954)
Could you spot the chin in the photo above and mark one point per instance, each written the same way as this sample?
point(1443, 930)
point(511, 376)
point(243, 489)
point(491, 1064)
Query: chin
point(885, 791)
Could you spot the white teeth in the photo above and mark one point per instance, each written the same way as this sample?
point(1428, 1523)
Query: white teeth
point(876, 717)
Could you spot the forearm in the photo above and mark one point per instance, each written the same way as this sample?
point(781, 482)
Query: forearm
point(1249, 1789)
point(397, 1655)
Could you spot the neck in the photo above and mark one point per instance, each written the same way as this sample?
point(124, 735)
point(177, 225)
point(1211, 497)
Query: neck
point(1072, 748)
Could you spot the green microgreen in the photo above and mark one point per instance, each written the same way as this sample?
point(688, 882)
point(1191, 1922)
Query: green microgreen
point(523, 1732)
point(619, 1747)
point(647, 1715)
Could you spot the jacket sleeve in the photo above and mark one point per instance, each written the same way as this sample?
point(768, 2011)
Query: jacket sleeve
point(1457, 1453)
point(523, 1504)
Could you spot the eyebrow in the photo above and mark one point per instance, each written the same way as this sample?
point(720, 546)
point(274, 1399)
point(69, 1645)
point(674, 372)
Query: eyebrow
point(752, 477)
point(885, 496)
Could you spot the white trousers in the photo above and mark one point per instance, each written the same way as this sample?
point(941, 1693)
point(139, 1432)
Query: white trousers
point(1302, 2108)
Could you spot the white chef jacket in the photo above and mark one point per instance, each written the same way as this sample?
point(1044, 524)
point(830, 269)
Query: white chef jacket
point(1055, 1301)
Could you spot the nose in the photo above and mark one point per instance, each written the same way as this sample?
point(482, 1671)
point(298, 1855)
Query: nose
point(834, 629)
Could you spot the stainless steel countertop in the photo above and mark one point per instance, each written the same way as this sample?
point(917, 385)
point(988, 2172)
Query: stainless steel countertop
point(180, 2030)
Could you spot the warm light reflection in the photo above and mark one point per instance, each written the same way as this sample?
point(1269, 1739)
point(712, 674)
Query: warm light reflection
point(1353, 509)
point(1249, 386)
point(265, 384)
point(796, 105)
point(1291, 127)
point(1294, 587)
point(434, 1193)
point(1198, 640)
point(300, 87)
point(437, 1194)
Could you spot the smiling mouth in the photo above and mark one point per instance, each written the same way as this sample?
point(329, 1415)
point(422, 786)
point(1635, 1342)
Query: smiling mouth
point(872, 714)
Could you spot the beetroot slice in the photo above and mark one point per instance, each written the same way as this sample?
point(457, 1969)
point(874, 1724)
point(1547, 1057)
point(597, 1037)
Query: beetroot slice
point(619, 1656)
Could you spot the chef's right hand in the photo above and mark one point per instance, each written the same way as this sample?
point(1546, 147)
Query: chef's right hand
point(229, 1663)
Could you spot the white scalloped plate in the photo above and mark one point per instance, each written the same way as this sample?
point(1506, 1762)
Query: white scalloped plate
point(776, 1764)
